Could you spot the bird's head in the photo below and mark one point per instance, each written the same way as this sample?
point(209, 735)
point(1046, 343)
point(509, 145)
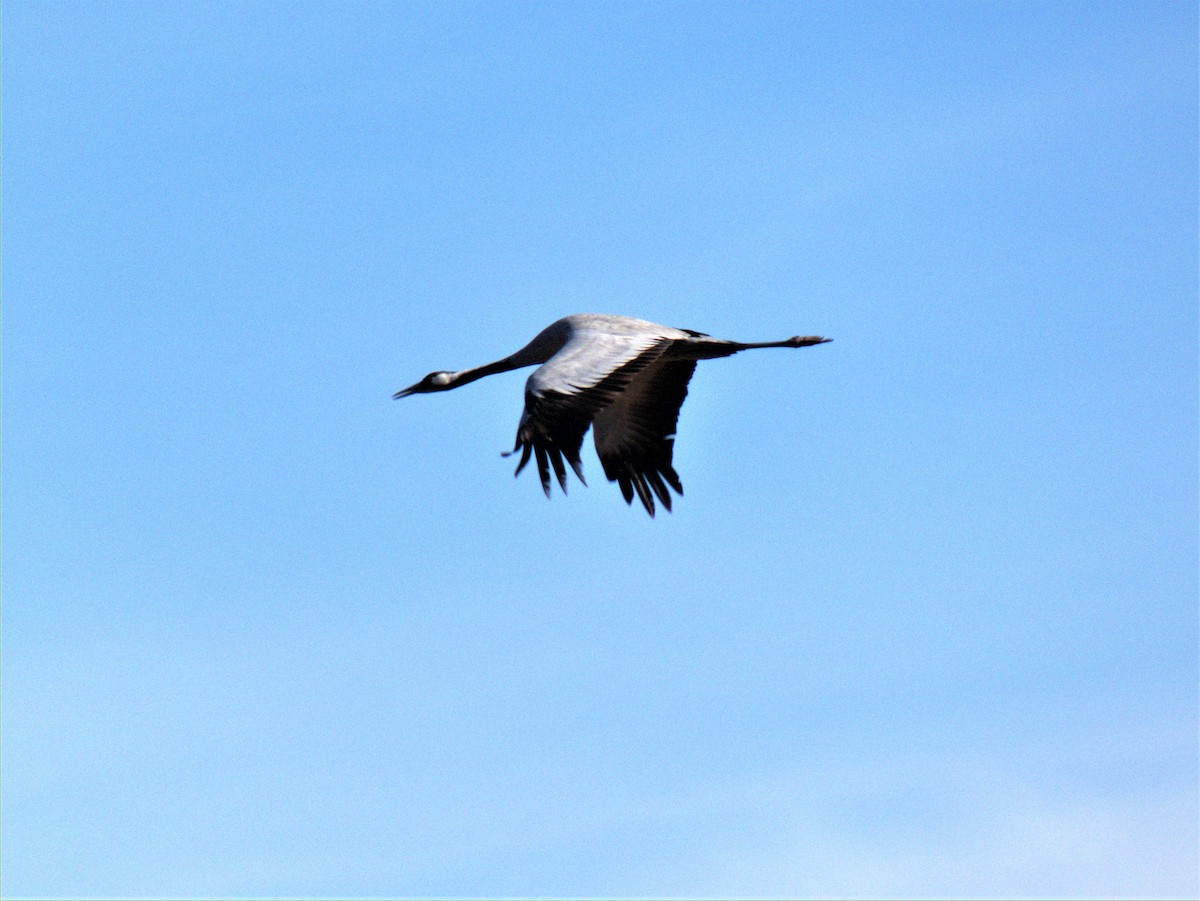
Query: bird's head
point(435, 381)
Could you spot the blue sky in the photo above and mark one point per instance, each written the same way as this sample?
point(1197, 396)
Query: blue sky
point(925, 622)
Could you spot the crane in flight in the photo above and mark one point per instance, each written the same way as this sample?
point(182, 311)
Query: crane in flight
point(625, 378)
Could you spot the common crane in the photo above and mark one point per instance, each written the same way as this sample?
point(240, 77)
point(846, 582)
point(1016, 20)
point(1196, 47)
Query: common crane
point(625, 378)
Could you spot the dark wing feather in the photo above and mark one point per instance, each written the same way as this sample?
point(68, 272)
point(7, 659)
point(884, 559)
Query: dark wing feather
point(555, 421)
point(635, 434)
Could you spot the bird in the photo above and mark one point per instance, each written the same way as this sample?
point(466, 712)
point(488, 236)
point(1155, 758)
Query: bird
point(624, 378)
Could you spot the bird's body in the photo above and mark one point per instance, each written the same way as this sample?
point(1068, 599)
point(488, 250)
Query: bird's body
point(624, 378)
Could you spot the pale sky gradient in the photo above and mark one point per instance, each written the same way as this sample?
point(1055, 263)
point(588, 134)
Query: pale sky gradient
point(925, 622)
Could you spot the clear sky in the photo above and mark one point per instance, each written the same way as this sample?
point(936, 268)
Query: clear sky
point(925, 622)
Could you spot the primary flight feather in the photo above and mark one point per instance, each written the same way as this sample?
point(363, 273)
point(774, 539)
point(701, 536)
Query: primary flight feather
point(624, 378)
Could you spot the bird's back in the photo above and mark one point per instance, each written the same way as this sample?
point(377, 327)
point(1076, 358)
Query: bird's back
point(597, 345)
point(619, 326)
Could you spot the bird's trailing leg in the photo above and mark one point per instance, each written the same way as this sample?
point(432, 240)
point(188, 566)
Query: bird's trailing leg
point(702, 347)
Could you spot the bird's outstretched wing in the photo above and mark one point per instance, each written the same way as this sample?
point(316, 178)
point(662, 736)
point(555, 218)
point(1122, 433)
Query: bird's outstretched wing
point(563, 397)
point(635, 434)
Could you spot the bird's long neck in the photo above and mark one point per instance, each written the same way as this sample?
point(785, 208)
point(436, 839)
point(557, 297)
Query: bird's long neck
point(465, 376)
point(538, 351)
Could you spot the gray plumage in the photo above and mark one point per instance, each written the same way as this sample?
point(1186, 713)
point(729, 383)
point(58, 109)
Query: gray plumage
point(624, 378)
